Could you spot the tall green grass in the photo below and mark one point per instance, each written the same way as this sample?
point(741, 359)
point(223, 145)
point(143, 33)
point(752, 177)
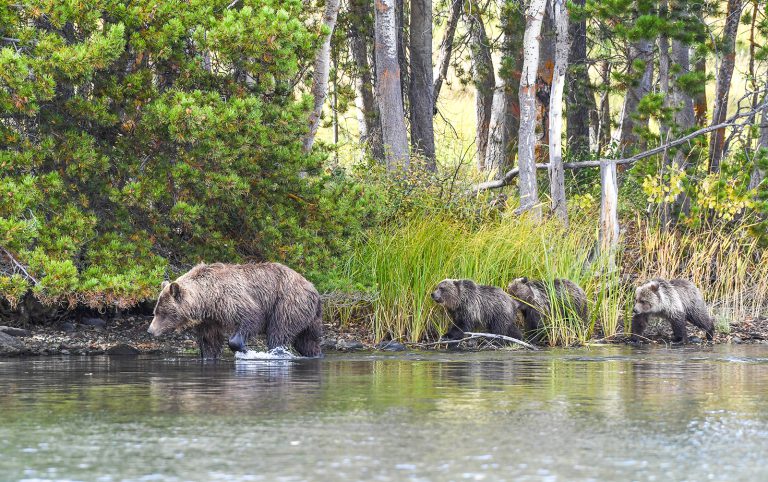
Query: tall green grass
point(407, 261)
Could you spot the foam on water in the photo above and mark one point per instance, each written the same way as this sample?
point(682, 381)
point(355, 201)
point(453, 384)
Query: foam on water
point(278, 353)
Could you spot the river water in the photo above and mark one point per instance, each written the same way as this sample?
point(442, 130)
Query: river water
point(613, 413)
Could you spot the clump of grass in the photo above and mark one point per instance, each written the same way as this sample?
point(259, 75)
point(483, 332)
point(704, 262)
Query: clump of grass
point(407, 261)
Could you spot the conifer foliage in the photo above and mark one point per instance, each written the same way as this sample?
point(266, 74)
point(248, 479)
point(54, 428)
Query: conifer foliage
point(142, 137)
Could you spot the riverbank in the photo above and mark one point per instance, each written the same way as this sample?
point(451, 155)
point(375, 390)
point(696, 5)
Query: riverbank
point(127, 335)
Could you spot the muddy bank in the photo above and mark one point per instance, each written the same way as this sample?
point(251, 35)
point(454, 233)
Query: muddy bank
point(127, 335)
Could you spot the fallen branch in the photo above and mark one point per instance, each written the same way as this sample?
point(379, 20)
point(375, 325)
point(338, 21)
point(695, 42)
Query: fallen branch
point(513, 173)
point(19, 266)
point(502, 337)
point(475, 336)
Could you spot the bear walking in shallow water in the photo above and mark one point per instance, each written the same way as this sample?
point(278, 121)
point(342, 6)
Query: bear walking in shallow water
point(249, 299)
point(677, 301)
point(469, 304)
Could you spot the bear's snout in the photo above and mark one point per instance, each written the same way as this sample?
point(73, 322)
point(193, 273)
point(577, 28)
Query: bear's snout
point(153, 328)
point(436, 296)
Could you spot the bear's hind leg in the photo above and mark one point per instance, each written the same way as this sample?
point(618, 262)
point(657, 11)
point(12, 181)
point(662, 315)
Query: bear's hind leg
point(307, 343)
point(700, 318)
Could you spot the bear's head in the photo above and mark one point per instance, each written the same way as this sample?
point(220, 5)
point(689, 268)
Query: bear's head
point(447, 293)
point(521, 291)
point(169, 311)
point(647, 298)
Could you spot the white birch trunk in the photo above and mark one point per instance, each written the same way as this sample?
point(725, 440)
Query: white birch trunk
point(556, 172)
point(322, 71)
point(529, 196)
point(609, 212)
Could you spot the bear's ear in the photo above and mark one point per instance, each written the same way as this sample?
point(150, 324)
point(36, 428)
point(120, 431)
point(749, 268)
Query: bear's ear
point(163, 285)
point(175, 291)
point(524, 279)
point(654, 286)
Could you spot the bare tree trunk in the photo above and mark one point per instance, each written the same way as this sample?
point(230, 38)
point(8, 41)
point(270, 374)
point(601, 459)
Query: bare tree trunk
point(625, 136)
point(544, 79)
point(484, 78)
point(666, 210)
point(758, 175)
point(421, 94)
point(580, 99)
point(609, 213)
point(685, 117)
point(446, 48)
point(498, 130)
point(604, 126)
point(529, 196)
point(402, 48)
point(556, 172)
point(322, 70)
point(388, 91)
point(359, 33)
point(505, 115)
point(723, 85)
point(700, 99)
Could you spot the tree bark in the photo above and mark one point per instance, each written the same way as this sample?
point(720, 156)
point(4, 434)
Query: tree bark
point(700, 99)
point(359, 32)
point(580, 99)
point(420, 92)
point(625, 135)
point(505, 111)
point(664, 60)
point(604, 125)
point(609, 212)
point(484, 78)
point(320, 76)
point(556, 172)
point(402, 48)
point(529, 196)
point(723, 84)
point(758, 174)
point(446, 49)
point(544, 77)
point(388, 90)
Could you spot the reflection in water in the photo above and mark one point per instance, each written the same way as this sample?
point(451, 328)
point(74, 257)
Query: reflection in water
point(601, 414)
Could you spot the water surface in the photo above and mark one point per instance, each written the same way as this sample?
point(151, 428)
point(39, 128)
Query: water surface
point(611, 413)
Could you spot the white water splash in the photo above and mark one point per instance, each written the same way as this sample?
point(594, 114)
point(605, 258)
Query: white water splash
point(278, 353)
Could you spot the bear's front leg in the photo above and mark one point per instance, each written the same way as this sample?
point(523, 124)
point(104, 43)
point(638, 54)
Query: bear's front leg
point(238, 342)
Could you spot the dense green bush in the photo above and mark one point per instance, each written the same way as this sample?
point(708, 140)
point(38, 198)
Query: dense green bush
point(139, 138)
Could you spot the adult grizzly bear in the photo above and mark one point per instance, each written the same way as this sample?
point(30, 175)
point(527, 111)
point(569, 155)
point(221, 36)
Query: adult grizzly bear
point(535, 302)
point(676, 301)
point(469, 304)
point(249, 299)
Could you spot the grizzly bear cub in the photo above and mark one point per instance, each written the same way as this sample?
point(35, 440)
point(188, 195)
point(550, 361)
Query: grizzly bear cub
point(469, 304)
point(535, 302)
point(676, 301)
point(250, 299)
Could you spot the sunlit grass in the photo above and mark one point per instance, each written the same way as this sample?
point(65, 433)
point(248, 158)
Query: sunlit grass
point(406, 263)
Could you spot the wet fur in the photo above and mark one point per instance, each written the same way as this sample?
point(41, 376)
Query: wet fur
point(677, 301)
point(249, 299)
point(469, 305)
point(534, 300)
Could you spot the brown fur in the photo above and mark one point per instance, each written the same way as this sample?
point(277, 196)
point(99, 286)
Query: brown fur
point(469, 304)
point(250, 299)
point(535, 302)
point(676, 301)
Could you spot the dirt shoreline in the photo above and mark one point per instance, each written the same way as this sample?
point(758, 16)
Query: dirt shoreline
point(128, 336)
